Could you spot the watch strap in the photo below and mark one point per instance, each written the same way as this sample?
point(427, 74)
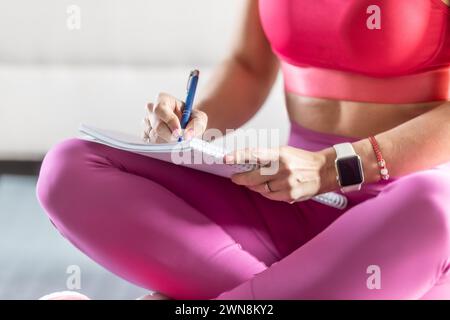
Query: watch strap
point(344, 150)
point(351, 188)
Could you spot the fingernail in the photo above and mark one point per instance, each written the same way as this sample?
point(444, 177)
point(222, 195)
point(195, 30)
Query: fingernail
point(176, 133)
point(189, 134)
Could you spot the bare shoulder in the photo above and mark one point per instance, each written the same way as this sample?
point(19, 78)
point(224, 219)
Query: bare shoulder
point(447, 2)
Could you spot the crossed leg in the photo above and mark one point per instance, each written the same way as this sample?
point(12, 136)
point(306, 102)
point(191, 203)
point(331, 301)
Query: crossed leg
point(191, 235)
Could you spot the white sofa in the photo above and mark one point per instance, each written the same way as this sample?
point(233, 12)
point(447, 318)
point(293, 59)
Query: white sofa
point(53, 77)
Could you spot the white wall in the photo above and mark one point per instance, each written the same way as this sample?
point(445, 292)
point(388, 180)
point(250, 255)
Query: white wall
point(117, 31)
point(52, 78)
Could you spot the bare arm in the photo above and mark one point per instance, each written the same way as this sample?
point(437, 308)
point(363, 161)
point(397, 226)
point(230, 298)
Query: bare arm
point(419, 144)
point(243, 81)
point(234, 93)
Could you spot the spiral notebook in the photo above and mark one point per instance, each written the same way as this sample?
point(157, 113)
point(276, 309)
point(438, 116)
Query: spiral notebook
point(196, 154)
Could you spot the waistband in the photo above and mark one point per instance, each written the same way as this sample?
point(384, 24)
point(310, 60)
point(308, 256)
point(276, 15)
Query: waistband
point(433, 85)
point(312, 140)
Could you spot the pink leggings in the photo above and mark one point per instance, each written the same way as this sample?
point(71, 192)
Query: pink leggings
point(192, 235)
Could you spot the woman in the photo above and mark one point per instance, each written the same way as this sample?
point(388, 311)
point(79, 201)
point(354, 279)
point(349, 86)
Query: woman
point(352, 70)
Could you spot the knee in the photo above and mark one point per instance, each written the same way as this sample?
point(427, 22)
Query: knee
point(428, 191)
point(59, 171)
point(423, 200)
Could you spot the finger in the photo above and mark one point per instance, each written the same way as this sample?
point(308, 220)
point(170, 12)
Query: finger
point(251, 178)
point(164, 133)
point(146, 125)
point(260, 188)
point(283, 195)
point(284, 183)
point(146, 121)
point(154, 138)
point(150, 106)
point(151, 116)
point(146, 130)
point(165, 111)
point(274, 185)
point(290, 195)
point(165, 114)
point(177, 105)
point(145, 136)
point(197, 124)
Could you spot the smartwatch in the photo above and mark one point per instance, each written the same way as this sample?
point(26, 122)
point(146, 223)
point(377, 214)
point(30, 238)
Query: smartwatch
point(349, 170)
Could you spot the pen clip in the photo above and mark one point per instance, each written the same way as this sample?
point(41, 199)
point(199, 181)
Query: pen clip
point(191, 75)
point(189, 82)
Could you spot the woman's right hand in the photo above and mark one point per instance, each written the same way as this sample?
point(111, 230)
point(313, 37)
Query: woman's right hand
point(162, 122)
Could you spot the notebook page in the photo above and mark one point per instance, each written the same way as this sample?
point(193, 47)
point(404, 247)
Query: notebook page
point(210, 154)
point(129, 142)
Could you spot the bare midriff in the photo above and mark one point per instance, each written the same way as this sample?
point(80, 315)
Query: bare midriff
point(348, 118)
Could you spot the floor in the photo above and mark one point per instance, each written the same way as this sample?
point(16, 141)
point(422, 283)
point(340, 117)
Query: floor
point(34, 258)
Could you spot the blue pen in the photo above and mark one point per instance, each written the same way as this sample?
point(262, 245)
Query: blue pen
point(191, 88)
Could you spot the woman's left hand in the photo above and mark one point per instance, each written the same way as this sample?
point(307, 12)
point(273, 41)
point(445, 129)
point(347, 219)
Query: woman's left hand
point(286, 174)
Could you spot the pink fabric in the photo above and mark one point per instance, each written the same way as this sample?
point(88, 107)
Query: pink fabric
point(192, 235)
point(410, 48)
point(433, 85)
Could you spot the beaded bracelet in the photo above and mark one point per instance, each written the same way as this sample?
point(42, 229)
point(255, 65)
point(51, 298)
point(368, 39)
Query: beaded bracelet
point(384, 172)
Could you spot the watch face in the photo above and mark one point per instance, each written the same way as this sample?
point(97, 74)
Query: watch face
point(349, 171)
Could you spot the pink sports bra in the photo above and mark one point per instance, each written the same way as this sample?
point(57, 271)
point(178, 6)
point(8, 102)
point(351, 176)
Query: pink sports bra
point(385, 51)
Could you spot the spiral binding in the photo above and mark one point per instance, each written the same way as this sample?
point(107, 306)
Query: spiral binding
point(332, 199)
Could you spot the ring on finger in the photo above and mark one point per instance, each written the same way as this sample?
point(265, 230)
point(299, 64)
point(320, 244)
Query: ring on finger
point(267, 187)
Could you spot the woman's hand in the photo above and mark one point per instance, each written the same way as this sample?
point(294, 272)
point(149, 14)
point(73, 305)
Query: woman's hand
point(162, 122)
point(296, 175)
